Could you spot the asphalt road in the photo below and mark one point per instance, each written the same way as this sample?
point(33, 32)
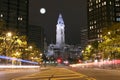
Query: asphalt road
point(61, 73)
point(100, 74)
point(56, 73)
point(10, 74)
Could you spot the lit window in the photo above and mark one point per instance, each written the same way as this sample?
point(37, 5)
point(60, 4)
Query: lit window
point(94, 22)
point(96, 1)
point(96, 6)
point(100, 41)
point(105, 3)
point(98, 35)
point(102, 4)
point(90, 23)
point(20, 18)
point(117, 4)
point(99, 1)
point(99, 5)
point(90, 27)
point(95, 26)
point(90, 9)
point(117, 19)
point(110, 3)
point(1, 15)
point(98, 31)
point(101, 35)
point(91, 4)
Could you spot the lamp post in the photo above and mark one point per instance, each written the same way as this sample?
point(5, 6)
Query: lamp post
point(7, 37)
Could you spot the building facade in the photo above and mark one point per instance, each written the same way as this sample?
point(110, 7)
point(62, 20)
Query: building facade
point(60, 32)
point(15, 14)
point(36, 36)
point(101, 13)
point(83, 24)
point(62, 49)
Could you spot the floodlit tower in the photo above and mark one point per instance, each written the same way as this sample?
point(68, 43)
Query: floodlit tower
point(60, 37)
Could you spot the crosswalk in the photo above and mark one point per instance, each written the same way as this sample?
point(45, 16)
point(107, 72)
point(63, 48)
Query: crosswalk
point(56, 74)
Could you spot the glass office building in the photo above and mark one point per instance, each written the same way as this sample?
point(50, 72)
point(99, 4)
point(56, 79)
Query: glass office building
point(15, 14)
point(101, 13)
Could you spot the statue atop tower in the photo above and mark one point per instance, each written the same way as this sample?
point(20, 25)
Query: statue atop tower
point(60, 36)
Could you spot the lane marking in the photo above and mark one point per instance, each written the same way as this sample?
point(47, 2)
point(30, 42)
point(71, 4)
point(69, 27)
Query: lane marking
point(56, 74)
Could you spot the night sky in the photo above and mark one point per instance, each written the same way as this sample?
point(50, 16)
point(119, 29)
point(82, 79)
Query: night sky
point(73, 12)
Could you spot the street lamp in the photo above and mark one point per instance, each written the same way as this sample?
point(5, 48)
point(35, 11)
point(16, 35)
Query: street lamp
point(9, 34)
point(40, 54)
point(109, 33)
point(7, 37)
point(89, 46)
point(30, 47)
point(82, 51)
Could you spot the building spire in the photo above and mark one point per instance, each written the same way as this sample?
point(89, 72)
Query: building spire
point(60, 19)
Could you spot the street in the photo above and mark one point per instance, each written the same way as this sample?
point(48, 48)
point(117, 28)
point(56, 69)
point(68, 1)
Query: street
point(56, 73)
point(61, 73)
point(100, 74)
point(9, 74)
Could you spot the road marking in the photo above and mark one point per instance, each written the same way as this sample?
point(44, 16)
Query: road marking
point(55, 74)
point(90, 79)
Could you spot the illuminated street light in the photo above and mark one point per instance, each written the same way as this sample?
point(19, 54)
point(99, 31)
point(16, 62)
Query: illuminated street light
point(40, 54)
point(109, 33)
point(17, 54)
point(32, 58)
point(82, 51)
point(89, 46)
point(30, 47)
point(9, 34)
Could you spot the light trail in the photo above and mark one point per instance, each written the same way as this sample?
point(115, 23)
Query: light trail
point(97, 64)
point(21, 60)
point(14, 66)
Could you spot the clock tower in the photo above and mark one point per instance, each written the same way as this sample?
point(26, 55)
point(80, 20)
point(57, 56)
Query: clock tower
point(60, 36)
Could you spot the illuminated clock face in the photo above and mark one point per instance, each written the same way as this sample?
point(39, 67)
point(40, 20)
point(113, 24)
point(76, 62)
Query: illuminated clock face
point(42, 10)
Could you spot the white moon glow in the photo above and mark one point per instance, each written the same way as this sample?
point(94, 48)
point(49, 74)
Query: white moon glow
point(42, 10)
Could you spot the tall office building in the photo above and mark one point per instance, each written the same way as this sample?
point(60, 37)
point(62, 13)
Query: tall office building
point(83, 24)
point(15, 14)
point(36, 36)
point(101, 13)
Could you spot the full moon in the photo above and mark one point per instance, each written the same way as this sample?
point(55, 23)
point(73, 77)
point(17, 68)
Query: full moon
point(42, 10)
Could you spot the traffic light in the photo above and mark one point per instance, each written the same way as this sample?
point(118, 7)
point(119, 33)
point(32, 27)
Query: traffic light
point(59, 60)
point(79, 61)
